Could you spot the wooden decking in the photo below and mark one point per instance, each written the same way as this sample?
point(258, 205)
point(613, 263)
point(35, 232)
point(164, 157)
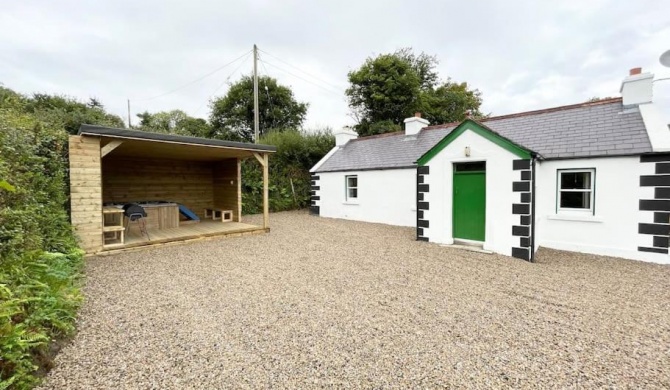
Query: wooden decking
point(186, 232)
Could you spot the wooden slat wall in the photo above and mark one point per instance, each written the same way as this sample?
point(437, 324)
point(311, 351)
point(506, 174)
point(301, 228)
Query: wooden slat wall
point(227, 187)
point(85, 191)
point(134, 179)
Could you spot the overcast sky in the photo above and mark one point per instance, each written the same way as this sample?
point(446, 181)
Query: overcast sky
point(521, 55)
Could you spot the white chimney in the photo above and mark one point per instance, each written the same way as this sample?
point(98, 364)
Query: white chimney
point(414, 124)
point(344, 135)
point(637, 88)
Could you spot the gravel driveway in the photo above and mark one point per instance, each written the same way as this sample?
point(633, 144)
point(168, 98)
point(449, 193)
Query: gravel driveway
point(331, 303)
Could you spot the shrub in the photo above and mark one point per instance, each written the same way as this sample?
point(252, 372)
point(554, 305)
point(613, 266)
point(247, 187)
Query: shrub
point(38, 301)
point(40, 264)
point(290, 181)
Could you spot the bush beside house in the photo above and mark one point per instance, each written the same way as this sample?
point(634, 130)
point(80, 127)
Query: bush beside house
point(40, 263)
point(297, 152)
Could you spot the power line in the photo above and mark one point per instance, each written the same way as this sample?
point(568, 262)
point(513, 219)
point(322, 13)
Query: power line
point(302, 78)
point(304, 72)
point(222, 83)
point(196, 80)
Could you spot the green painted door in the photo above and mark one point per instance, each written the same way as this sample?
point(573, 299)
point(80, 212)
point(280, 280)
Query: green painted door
point(469, 205)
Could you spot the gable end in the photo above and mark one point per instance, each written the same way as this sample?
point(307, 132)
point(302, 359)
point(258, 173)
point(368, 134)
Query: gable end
point(480, 130)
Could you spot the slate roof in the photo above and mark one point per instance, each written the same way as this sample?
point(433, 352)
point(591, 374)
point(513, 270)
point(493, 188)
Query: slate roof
point(592, 129)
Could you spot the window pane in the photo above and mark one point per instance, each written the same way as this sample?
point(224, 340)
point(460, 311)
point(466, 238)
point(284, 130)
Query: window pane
point(575, 180)
point(470, 167)
point(352, 181)
point(576, 200)
point(353, 193)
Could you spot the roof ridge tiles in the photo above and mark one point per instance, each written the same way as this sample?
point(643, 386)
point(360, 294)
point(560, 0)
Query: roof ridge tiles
point(382, 135)
point(534, 112)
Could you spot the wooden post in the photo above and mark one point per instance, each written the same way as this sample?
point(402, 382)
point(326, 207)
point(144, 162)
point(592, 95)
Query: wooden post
point(266, 200)
point(239, 190)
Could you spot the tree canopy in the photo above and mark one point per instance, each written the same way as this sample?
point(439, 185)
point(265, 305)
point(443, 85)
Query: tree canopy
point(174, 122)
point(388, 88)
point(69, 112)
point(232, 115)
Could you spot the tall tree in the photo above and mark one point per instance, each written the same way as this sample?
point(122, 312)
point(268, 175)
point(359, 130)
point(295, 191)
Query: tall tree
point(390, 87)
point(174, 122)
point(450, 102)
point(232, 115)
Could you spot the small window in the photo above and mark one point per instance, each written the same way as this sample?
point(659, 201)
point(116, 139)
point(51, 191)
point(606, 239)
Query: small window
point(575, 189)
point(479, 166)
point(351, 183)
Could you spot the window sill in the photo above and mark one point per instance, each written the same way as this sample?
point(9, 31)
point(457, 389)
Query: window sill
point(575, 218)
point(350, 203)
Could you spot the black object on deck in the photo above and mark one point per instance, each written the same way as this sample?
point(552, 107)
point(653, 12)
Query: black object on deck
point(136, 213)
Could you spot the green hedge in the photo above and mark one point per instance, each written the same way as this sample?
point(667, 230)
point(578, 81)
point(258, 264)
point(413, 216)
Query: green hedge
point(40, 263)
point(289, 189)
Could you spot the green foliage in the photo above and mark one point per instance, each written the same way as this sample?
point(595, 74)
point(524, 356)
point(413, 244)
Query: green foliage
point(450, 102)
point(384, 126)
point(290, 180)
point(38, 301)
point(70, 113)
point(174, 122)
point(39, 259)
point(6, 186)
point(391, 87)
point(232, 115)
point(384, 88)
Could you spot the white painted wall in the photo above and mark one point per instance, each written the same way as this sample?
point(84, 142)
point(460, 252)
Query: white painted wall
point(613, 230)
point(389, 196)
point(499, 194)
point(384, 196)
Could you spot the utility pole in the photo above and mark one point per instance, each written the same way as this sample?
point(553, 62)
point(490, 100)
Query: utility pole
point(130, 126)
point(256, 114)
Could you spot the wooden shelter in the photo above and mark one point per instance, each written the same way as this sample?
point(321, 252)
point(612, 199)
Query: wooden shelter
point(189, 187)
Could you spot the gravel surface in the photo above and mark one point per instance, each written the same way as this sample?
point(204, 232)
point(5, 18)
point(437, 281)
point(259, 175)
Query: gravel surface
point(331, 303)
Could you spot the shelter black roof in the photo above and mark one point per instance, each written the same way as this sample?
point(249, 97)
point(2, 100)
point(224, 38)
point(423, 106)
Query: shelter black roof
point(145, 135)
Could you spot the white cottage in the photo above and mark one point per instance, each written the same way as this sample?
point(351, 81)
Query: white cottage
point(591, 177)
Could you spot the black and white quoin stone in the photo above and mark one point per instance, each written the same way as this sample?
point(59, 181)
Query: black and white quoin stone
point(422, 189)
point(315, 198)
point(523, 209)
point(659, 226)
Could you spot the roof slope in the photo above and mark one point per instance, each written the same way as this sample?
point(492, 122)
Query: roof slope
point(149, 136)
point(593, 129)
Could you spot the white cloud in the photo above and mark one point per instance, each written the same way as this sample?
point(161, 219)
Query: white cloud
point(522, 55)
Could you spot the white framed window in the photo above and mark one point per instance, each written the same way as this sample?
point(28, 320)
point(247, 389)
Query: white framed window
point(575, 190)
point(351, 187)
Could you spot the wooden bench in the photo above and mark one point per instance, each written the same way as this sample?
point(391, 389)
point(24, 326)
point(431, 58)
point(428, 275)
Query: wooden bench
point(219, 214)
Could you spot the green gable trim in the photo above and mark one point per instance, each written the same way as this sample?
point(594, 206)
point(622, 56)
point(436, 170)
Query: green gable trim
point(480, 130)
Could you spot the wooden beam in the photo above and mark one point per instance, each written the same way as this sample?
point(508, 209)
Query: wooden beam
point(260, 159)
point(266, 200)
point(113, 144)
point(239, 190)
